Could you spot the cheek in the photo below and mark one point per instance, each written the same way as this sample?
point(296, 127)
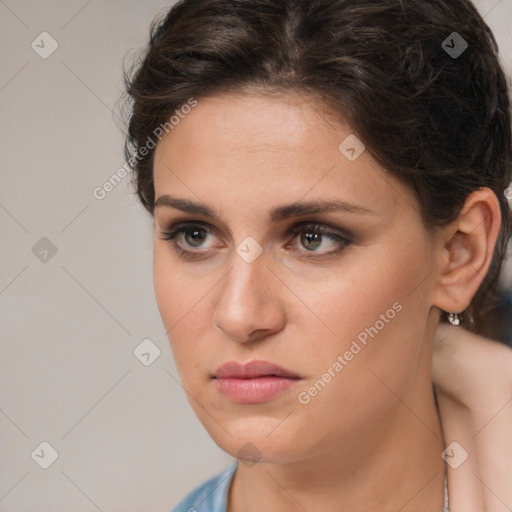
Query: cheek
point(355, 296)
point(379, 326)
point(180, 301)
point(376, 315)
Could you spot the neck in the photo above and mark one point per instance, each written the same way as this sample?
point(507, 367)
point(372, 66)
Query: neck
point(396, 466)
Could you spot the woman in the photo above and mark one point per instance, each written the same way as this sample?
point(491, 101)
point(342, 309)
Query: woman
point(327, 183)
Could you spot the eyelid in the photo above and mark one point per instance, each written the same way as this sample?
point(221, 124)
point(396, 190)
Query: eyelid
point(321, 227)
point(294, 228)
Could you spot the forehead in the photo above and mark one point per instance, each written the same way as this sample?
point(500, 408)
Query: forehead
point(268, 148)
point(240, 123)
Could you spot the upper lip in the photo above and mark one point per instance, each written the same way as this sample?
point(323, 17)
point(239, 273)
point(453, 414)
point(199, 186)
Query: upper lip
point(252, 369)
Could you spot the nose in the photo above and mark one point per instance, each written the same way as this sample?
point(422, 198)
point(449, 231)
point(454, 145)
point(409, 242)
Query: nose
point(248, 307)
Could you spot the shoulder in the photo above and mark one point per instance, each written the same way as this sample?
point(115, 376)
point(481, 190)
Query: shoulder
point(210, 496)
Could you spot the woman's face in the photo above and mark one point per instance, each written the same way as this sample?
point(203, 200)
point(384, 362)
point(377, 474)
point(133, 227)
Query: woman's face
point(347, 312)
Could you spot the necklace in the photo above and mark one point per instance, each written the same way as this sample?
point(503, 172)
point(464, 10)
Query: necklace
point(446, 504)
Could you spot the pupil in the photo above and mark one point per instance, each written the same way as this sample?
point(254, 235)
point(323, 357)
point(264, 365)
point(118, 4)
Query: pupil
point(196, 236)
point(311, 240)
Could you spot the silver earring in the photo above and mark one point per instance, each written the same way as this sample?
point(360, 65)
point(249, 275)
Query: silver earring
point(454, 318)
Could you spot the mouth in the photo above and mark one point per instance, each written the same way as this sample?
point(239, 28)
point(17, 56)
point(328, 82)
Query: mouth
point(252, 370)
point(254, 382)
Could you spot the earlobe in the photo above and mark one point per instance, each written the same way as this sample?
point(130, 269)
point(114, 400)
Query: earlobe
point(467, 248)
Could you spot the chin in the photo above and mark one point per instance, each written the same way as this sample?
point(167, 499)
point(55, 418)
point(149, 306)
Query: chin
point(250, 442)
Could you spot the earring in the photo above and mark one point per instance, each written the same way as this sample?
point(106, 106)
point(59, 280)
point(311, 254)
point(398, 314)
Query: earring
point(454, 318)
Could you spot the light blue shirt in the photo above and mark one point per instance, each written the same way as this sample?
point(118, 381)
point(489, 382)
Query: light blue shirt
point(212, 495)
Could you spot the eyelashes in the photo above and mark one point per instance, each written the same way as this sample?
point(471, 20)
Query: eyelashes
point(319, 232)
point(174, 233)
point(187, 239)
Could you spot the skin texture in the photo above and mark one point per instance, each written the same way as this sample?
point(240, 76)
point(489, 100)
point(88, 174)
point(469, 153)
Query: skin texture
point(375, 426)
point(473, 381)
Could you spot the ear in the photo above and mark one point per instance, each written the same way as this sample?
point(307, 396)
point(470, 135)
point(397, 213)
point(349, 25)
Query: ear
point(467, 246)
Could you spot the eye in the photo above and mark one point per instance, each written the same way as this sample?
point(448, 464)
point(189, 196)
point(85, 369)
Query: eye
point(188, 236)
point(318, 238)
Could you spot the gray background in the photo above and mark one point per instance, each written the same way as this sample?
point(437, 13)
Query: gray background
point(126, 437)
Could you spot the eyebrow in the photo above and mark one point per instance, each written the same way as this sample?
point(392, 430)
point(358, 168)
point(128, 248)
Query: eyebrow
point(276, 215)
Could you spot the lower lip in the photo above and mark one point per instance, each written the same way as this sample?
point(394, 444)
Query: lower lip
point(254, 391)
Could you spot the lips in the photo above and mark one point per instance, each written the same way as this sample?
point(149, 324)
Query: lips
point(254, 382)
point(252, 370)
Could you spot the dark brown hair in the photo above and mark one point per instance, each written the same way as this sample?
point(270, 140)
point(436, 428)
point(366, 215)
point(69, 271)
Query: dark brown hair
point(439, 121)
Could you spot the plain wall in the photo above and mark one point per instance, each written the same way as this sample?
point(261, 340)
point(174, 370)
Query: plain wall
point(126, 437)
